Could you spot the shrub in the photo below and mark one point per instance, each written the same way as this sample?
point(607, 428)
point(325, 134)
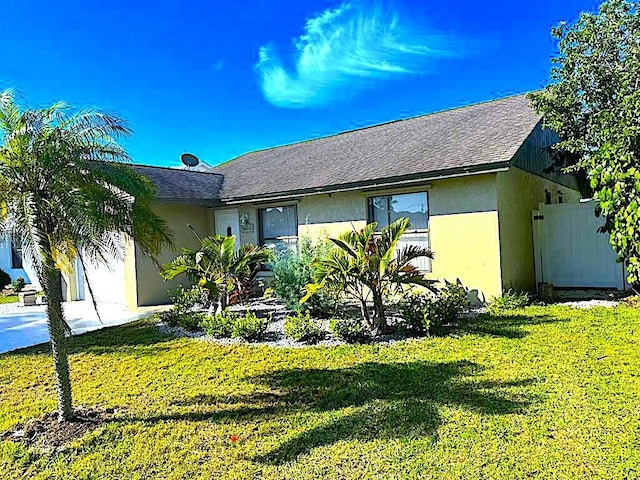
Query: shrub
point(293, 271)
point(18, 284)
point(188, 299)
point(185, 301)
point(5, 279)
point(302, 328)
point(510, 300)
point(220, 325)
point(348, 330)
point(177, 318)
point(430, 313)
point(250, 327)
point(190, 321)
point(413, 311)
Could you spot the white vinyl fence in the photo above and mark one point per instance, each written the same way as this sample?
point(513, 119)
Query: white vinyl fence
point(569, 251)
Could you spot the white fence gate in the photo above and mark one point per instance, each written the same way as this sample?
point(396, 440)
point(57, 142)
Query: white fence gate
point(569, 251)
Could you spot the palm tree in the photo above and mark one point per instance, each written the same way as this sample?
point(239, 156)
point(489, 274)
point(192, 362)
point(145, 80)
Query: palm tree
point(218, 268)
point(66, 192)
point(368, 266)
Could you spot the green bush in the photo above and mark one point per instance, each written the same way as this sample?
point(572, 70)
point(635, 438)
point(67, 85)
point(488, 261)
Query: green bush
point(5, 279)
point(177, 318)
point(430, 313)
point(190, 321)
point(220, 325)
point(184, 313)
point(510, 300)
point(348, 330)
point(293, 271)
point(302, 328)
point(250, 327)
point(188, 299)
point(18, 284)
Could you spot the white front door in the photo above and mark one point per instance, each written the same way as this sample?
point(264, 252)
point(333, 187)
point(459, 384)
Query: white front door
point(228, 223)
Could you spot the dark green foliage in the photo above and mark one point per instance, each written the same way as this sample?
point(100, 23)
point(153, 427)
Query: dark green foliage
point(510, 300)
point(217, 267)
point(180, 318)
point(302, 328)
point(430, 313)
point(186, 304)
point(18, 284)
point(366, 265)
point(5, 279)
point(250, 327)
point(190, 321)
point(219, 325)
point(350, 330)
point(592, 102)
point(293, 271)
point(188, 299)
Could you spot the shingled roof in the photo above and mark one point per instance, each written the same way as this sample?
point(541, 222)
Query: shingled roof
point(184, 186)
point(470, 139)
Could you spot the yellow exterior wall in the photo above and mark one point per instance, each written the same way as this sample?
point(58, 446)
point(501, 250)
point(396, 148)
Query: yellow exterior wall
point(463, 223)
point(519, 193)
point(329, 215)
point(149, 288)
point(463, 233)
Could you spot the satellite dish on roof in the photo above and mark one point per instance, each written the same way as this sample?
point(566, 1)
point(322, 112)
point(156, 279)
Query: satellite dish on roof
point(189, 160)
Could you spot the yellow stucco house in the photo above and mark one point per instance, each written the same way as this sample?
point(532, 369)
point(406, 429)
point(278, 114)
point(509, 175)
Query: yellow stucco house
point(468, 179)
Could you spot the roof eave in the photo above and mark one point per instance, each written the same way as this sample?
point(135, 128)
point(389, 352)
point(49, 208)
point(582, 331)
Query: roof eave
point(196, 202)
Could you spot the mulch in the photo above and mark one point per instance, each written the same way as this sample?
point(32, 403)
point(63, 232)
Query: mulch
point(49, 434)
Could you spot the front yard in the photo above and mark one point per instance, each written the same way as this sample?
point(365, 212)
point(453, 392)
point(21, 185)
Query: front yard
point(549, 392)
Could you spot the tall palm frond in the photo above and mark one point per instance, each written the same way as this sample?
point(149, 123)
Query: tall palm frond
point(66, 191)
point(368, 265)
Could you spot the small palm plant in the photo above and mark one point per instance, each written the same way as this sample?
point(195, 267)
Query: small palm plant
point(368, 267)
point(65, 193)
point(218, 268)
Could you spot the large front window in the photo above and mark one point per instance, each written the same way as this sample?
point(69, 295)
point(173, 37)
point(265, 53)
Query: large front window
point(386, 209)
point(279, 227)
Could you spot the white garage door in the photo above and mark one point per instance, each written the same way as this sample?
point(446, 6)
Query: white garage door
point(107, 282)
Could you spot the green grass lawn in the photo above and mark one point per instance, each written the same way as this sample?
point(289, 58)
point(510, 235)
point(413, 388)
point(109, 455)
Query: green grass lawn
point(545, 392)
point(8, 299)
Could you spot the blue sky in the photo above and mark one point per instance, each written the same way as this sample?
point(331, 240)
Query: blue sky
point(222, 78)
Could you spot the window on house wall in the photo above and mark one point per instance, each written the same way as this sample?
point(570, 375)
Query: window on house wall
point(16, 254)
point(386, 209)
point(389, 208)
point(279, 227)
point(547, 197)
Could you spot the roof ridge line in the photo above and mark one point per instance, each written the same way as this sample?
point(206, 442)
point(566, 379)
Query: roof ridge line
point(176, 169)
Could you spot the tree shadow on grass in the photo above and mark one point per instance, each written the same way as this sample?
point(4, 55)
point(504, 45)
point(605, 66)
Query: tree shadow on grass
point(365, 402)
point(509, 325)
point(140, 337)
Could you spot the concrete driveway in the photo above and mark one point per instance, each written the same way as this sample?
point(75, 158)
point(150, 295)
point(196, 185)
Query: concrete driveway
point(26, 326)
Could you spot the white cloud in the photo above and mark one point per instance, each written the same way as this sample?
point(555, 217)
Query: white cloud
point(345, 50)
